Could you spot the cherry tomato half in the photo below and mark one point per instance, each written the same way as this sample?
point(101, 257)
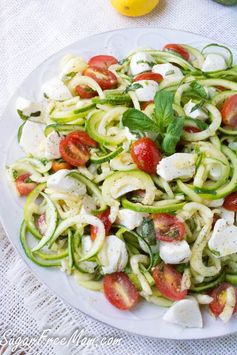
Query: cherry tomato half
point(74, 148)
point(168, 282)
point(104, 217)
point(85, 92)
point(59, 165)
point(178, 49)
point(145, 155)
point(120, 291)
point(149, 76)
point(104, 77)
point(229, 111)
point(102, 61)
point(83, 137)
point(191, 129)
point(219, 299)
point(24, 185)
point(230, 202)
point(168, 227)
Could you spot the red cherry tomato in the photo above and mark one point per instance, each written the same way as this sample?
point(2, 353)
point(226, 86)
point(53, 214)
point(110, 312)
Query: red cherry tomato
point(104, 217)
point(191, 129)
point(102, 61)
point(120, 291)
point(178, 49)
point(219, 299)
point(74, 148)
point(230, 202)
point(85, 92)
point(229, 111)
point(145, 104)
point(59, 165)
point(146, 155)
point(168, 282)
point(83, 137)
point(104, 77)
point(168, 227)
point(24, 185)
point(149, 76)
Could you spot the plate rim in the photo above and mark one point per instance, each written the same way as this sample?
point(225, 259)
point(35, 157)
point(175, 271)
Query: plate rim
point(21, 253)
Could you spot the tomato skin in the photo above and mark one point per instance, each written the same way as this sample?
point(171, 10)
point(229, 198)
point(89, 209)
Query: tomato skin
point(218, 295)
point(83, 137)
point(59, 165)
point(229, 111)
point(102, 61)
point(145, 155)
point(230, 202)
point(113, 283)
point(24, 187)
point(168, 282)
point(149, 76)
point(104, 77)
point(104, 217)
point(73, 151)
point(74, 148)
point(191, 129)
point(85, 92)
point(145, 104)
point(168, 227)
point(177, 48)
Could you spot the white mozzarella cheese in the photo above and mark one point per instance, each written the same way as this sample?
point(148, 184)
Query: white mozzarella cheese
point(198, 113)
point(52, 146)
point(214, 62)
point(228, 216)
point(33, 140)
point(186, 313)
point(223, 239)
point(130, 219)
point(55, 89)
point(178, 165)
point(113, 256)
point(29, 109)
point(63, 183)
point(147, 91)
point(141, 62)
point(168, 70)
point(175, 253)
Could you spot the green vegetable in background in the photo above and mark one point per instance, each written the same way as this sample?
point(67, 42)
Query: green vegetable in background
point(227, 2)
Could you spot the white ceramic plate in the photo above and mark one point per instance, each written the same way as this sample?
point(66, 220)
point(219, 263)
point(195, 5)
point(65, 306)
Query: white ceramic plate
point(146, 319)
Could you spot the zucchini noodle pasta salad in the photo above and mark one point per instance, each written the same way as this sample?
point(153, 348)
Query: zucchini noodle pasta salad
point(130, 173)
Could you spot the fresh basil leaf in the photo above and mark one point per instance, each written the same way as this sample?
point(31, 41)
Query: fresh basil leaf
point(15, 174)
point(19, 133)
point(136, 120)
point(133, 87)
point(199, 89)
point(35, 114)
point(173, 135)
point(22, 116)
point(198, 105)
point(164, 113)
point(199, 123)
point(147, 230)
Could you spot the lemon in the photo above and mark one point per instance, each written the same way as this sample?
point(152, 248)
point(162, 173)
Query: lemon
point(134, 7)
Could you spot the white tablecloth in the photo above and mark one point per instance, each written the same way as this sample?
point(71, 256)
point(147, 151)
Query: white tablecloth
point(30, 31)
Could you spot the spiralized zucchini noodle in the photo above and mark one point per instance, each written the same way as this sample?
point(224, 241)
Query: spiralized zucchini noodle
point(93, 211)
